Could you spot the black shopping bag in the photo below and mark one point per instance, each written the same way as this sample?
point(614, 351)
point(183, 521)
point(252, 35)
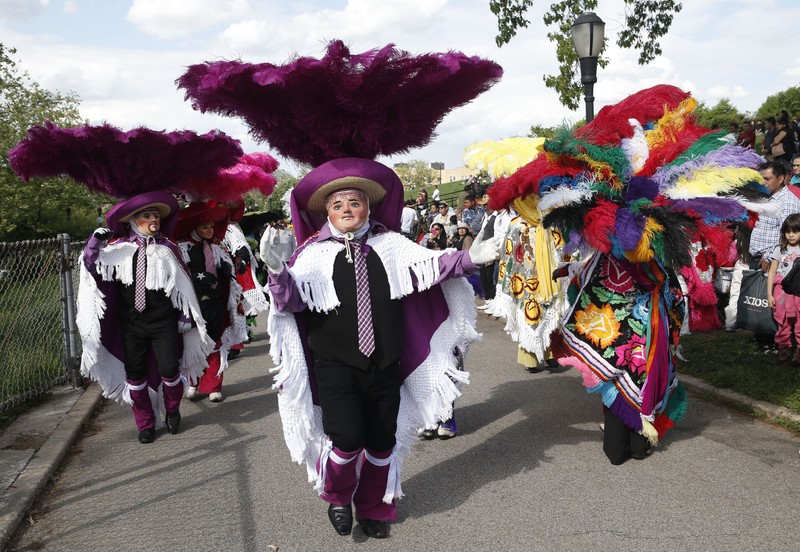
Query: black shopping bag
point(791, 282)
point(752, 311)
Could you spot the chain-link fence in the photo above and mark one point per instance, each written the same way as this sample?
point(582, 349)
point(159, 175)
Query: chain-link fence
point(38, 345)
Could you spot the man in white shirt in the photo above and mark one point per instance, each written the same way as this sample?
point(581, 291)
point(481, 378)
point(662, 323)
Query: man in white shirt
point(435, 194)
point(408, 219)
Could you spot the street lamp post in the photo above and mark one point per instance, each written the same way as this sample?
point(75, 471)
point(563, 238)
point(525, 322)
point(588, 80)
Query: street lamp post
point(438, 166)
point(588, 33)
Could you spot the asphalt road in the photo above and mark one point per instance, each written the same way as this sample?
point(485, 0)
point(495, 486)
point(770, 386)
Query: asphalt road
point(526, 472)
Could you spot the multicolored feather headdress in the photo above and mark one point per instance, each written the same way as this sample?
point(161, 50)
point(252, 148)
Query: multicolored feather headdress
point(641, 181)
point(122, 164)
point(340, 112)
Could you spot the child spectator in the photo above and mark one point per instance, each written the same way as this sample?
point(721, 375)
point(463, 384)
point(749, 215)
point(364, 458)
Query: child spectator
point(786, 306)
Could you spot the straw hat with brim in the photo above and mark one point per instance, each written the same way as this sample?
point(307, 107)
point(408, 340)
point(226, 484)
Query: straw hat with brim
point(463, 225)
point(118, 216)
point(483, 200)
point(374, 191)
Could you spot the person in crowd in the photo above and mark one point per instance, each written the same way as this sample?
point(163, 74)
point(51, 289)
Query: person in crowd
point(356, 360)
point(443, 218)
point(795, 180)
point(408, 220)
point(783, 144)
point(473, 214)
point(767, 230)
point(438, 239)
point(769, 135)
point(436, 195)
point(463, 239)
point(432, 213)
point(200, 229)
point(785, 305)
point(747, 138)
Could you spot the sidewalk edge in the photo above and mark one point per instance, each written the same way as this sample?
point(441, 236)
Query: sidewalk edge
point(44, 463)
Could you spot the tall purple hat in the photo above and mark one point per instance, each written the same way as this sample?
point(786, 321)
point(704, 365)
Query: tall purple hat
point(340, 112)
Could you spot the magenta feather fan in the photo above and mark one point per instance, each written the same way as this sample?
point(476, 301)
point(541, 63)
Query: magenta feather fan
point(121, 164)
point(252, 172)
point(379, 102)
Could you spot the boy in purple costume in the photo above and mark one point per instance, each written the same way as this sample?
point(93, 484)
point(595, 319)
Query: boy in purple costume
point(369, 421)
point(140, 323)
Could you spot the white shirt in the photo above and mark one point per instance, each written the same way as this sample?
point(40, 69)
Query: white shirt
point(408, 218)
point(435, 194)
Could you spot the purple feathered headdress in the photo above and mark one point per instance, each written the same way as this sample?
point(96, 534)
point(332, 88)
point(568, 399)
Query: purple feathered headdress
point(381, 102)
point(122, 164)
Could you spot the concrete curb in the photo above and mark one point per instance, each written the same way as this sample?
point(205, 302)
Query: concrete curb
point(44, 462)
point(768, 409)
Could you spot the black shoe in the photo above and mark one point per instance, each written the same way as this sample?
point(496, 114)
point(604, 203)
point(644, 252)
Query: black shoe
point(341, 518)
point(375, 528)
point(233, 353)
point(147, 435)
point(173, 422)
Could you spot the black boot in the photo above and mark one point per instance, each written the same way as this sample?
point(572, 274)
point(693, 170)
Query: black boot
point(341, 518)
point(147, 435)
point(375, 528)
point(173, 422)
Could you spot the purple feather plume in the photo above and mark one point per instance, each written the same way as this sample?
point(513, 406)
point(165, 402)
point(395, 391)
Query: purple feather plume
point(121, 164)
point(711, 209)
point(380, 102)
point(728, 156)
point(629, 228)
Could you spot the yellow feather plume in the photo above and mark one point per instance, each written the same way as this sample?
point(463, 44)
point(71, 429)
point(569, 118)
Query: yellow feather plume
point(670, 124)
point(643, 252)
point(711, 180)
point(504, 157)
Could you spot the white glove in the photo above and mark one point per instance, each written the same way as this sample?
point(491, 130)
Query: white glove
point(487, 251)
point(102, 234)
point(274, 264)
point(184, 327)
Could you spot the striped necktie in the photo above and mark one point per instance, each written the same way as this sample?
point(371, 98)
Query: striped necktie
point(141, 276)
point(208, 254)
point(366, 333)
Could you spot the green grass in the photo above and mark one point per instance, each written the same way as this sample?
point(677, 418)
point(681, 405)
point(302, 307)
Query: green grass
point(732, 360)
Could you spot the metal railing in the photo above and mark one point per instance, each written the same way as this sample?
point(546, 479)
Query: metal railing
point(39, 346)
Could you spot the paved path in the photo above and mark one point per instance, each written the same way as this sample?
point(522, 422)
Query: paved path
point(525, 473)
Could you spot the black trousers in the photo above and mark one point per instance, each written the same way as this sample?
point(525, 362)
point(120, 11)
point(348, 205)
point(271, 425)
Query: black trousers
point(143, 333)
point(359, 407)
point(621, 442)
point(487, 280)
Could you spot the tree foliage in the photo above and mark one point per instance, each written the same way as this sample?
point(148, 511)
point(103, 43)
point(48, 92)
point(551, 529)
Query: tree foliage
point(42, 207)
point(256, 202)
point(646, 21)
point(719, 116)
point(415, 174)
point(789, 100)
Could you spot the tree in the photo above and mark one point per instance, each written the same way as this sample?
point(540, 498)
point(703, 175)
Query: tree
point(415, 174)
point(256, 202)
point(720, 116)
point(789, 100)
point(42, 207)
point(539, 131)
point(646, 21)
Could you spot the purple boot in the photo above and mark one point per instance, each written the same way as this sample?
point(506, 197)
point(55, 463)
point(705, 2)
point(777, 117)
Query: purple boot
point(142, 410)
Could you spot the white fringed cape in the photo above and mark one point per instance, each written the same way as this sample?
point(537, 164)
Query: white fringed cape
point(253, 298)
point(115, 263)
point(236, 331)
point(427, 394)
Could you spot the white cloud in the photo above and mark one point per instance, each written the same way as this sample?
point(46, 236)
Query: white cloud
point(182, 18)
point(71, 7)
point(22, 10)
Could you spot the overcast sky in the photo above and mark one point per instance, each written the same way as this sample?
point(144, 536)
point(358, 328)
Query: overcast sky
point(122, 56)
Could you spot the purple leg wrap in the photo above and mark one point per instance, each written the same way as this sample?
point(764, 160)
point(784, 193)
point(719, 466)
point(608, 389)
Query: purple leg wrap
point(368, 499)
point(173, 393)
point(341, 477)
point(142, 407)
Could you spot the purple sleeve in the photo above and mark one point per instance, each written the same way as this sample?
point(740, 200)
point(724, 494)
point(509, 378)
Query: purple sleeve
point(90, 253)
point(284, 292)
point(455, 265)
